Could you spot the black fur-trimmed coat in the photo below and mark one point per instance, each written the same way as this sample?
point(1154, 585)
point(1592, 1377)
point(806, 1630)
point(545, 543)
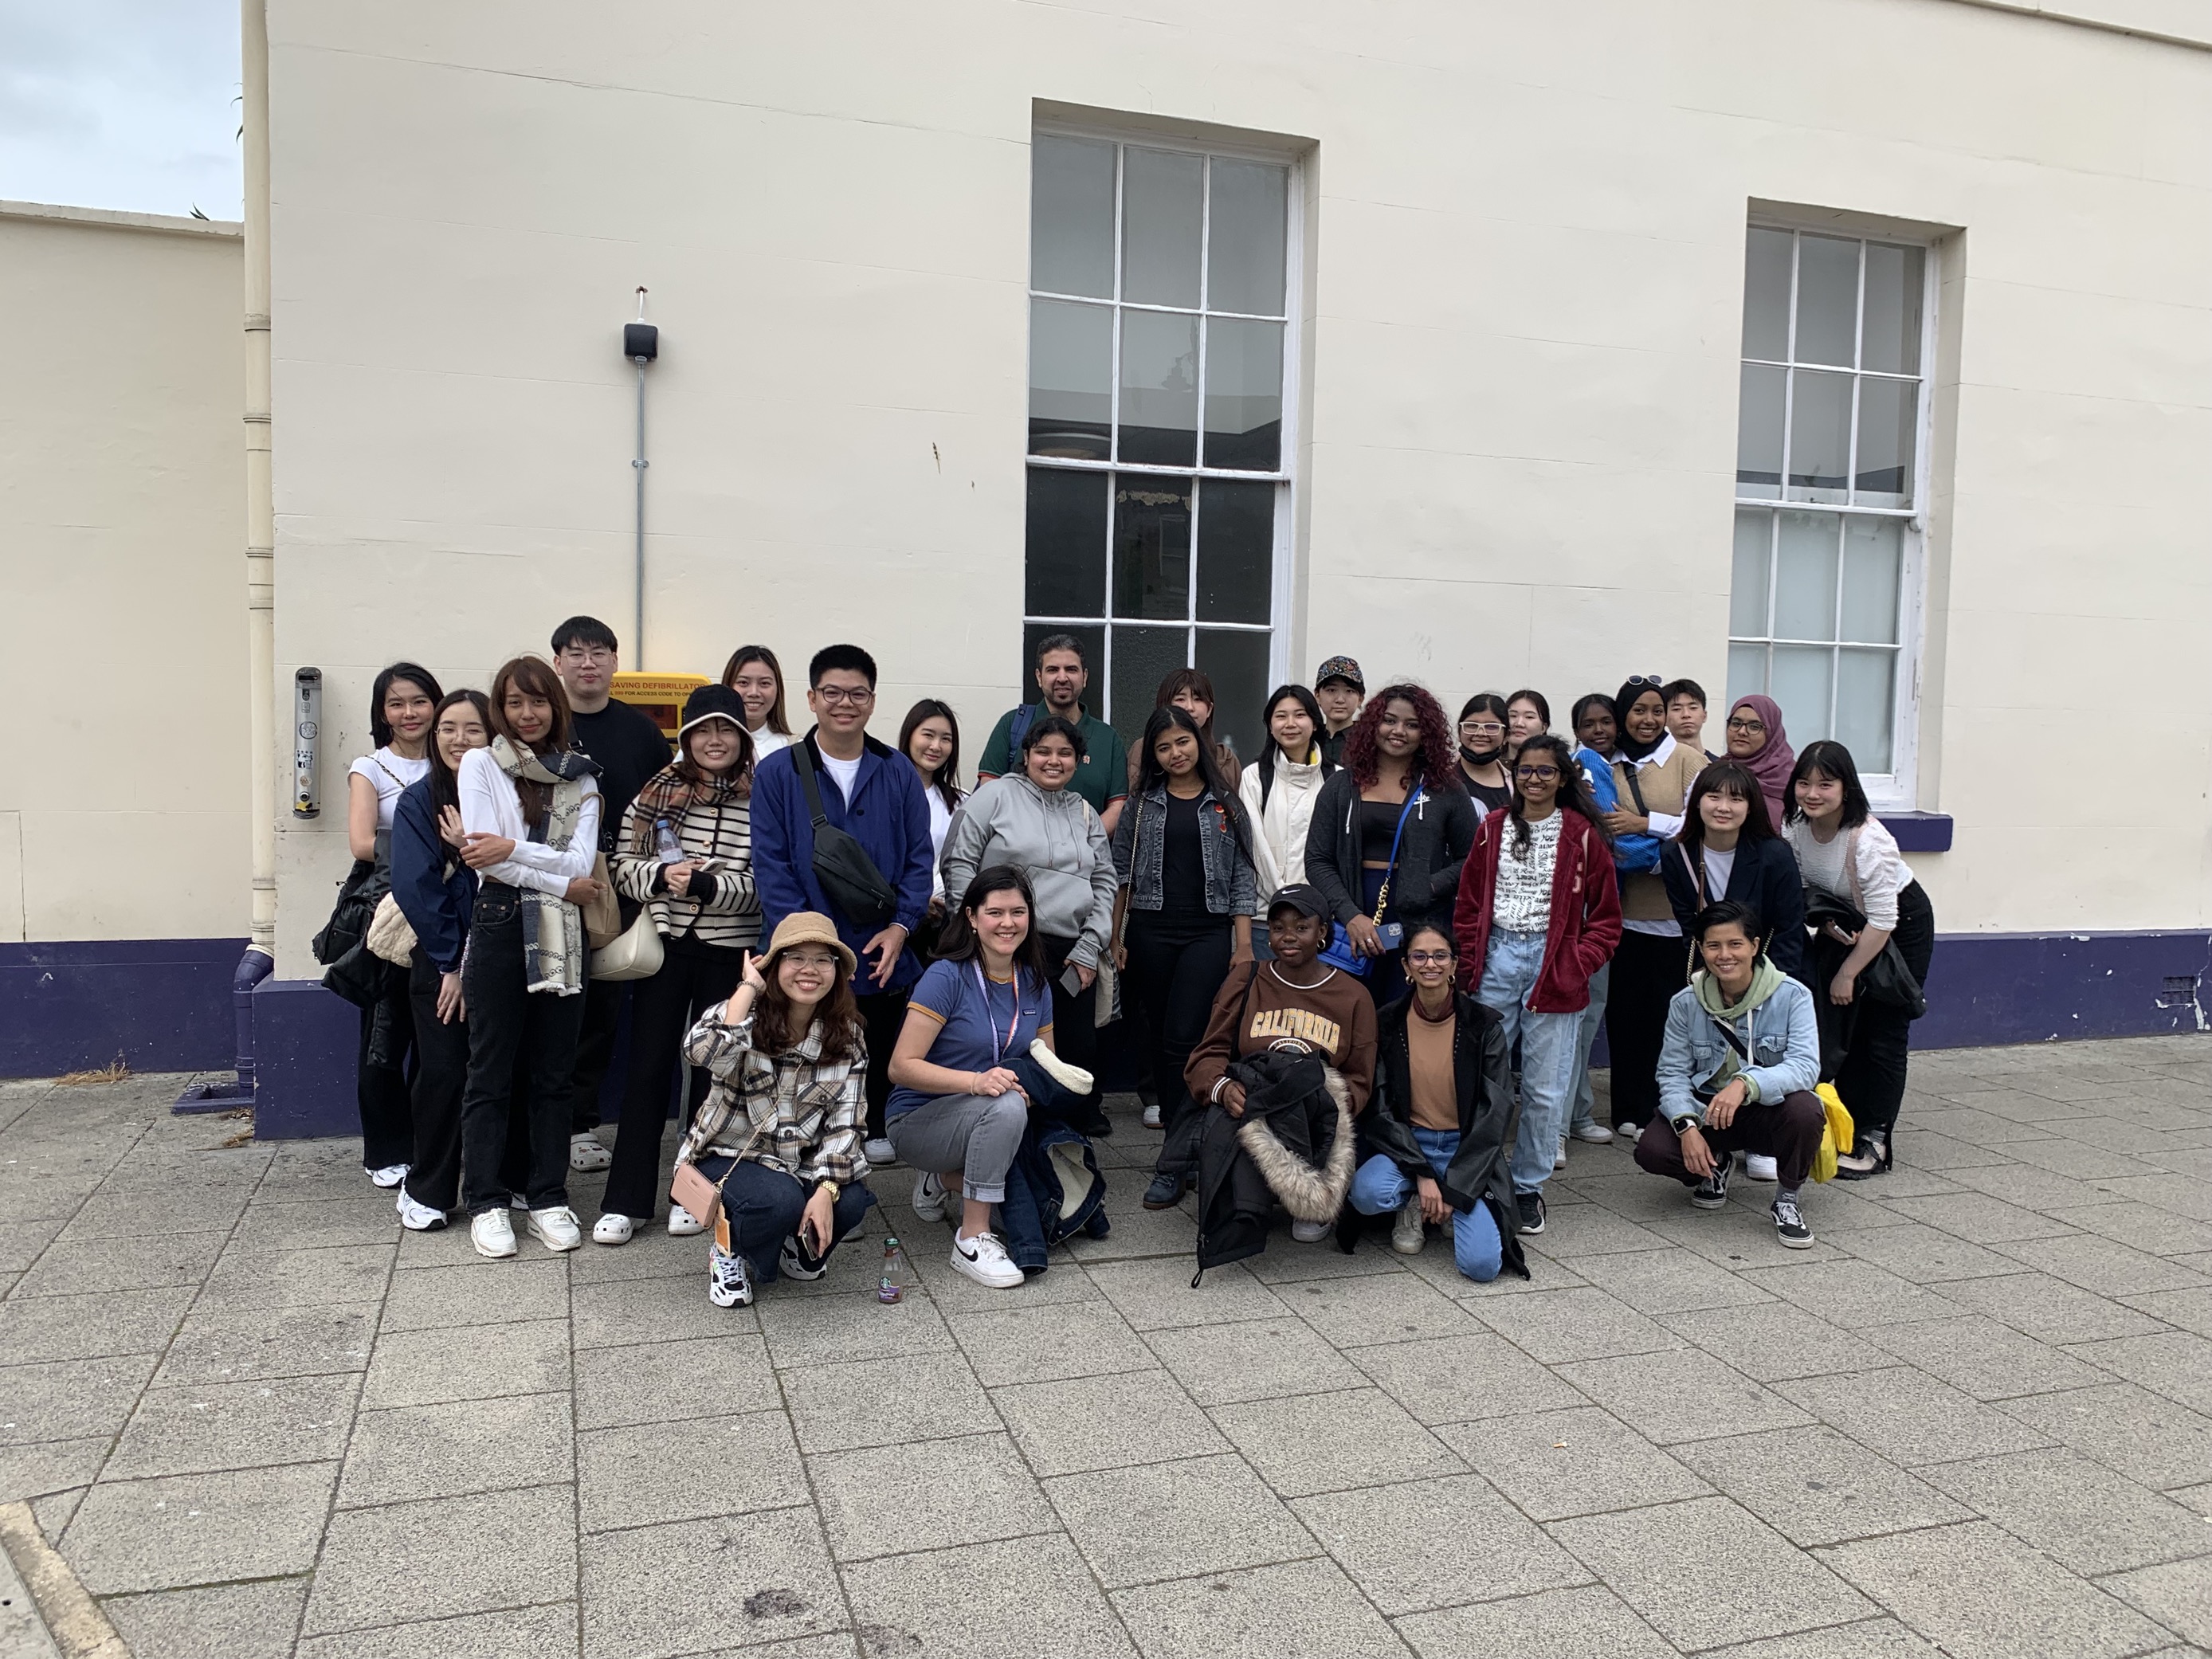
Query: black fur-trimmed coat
point(1294, 1145)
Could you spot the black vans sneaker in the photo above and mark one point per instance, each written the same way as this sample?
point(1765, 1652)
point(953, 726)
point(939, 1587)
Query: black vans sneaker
point(1790, 1229)
point(1531, 1205)
point(1711, 1193)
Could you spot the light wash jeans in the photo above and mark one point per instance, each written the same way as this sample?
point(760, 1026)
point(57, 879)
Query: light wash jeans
point(1381, 1188)
point(1591, 1019)
point(1547, 1052)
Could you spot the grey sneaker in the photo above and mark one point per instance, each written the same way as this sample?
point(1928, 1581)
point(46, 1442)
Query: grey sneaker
point(1711, 1193)
point(1405, 1235)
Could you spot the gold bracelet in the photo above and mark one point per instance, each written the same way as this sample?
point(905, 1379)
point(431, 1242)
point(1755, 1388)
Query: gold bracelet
point(830, 1188)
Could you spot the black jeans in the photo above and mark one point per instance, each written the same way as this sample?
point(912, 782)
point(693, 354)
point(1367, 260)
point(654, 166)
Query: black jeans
point(510, 1025)
point(882, 1015)
point(441, 1073)
point(387, 1130)
point(1176, 964)
point(595, 1050)
point(1647, 971)
point(764, 1205)
point(1074, 1027)
point(1878, 1037)
point(691, 976)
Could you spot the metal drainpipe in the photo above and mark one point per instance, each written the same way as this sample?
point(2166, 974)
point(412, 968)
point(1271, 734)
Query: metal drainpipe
point(641, 344)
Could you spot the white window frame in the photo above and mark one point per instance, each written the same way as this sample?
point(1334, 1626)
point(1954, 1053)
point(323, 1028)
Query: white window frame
point(1897, 789)
point(1281, 588)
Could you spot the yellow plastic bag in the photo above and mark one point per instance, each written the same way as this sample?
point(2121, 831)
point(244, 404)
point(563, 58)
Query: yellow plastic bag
point(1836, 1135)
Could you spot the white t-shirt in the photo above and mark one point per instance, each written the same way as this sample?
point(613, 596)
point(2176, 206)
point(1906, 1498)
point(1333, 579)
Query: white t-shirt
point(389, 773)
point(846, 772)
point(766, 742)
point(940, 820)
point(1719, 866)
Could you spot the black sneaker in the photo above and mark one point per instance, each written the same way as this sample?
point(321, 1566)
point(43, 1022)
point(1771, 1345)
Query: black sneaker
point(1711, 1193)
point(1790, 1229)
point(1531, 1205)
point(795, 1260)
point(1165, 1192)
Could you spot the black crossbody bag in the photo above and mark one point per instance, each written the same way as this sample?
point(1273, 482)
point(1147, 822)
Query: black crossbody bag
point(848, 876)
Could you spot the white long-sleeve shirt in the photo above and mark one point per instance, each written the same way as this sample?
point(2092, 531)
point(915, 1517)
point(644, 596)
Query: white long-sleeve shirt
point(1882, 871)
point(490, 806)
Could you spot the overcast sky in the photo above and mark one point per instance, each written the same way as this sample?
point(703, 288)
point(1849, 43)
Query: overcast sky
point(127, 104)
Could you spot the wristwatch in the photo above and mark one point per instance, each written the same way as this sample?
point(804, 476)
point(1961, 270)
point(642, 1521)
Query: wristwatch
point(830, 1188)
point(1687, 1120)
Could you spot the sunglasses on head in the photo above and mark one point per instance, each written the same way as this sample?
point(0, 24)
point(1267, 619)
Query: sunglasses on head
point(1646, 679)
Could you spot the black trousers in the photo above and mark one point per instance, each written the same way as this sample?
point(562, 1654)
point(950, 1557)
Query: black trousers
point(1877, 1037)
point(882, 1015)
point(1787, 1130)
point(1648, 969)
point(1177, 964)
point(603, 999)
point(1074, 1027)
point(661, 1010)
point(387, 1130)
point(441, 1073)
point(510, 1025)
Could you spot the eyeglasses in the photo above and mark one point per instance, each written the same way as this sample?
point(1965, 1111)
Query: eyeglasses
point(1747, 725)
point(810, 959)
point(1535, 773)
point(1428, 958)
point(837, 693)
point(586, 653)
point(1481, 728)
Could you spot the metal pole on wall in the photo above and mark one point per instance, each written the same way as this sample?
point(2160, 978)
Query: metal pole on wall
point(641, 344)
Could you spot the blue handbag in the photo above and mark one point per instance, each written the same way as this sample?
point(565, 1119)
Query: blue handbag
point(1339, 952)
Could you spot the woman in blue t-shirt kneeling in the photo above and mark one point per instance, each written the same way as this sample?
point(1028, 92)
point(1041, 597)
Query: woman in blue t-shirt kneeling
point(976, 1049)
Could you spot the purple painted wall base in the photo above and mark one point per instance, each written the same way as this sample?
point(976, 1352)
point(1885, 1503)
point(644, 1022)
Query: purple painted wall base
point(305, 1041)
point(162, 1004)
point(1986, 988)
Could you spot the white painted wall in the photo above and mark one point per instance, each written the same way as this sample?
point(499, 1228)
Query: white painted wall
point(1526, 231)
point(123, 798)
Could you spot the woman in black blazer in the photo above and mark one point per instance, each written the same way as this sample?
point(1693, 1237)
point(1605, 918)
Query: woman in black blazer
point(1728, 850)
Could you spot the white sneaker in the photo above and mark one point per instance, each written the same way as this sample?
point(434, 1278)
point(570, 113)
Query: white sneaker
point(879, 1153)
point(1631, 1133)
point(556, 1229)
point(682, 1223)
point(585, 1153)
point(1405, 1235)
point(1309, 1232)
point(493, 1234)
point(1594, 1131)
point(1151, 1117)
point(1074, 1079)
point(983, 1259)
point(612, 1229)
point(729, 1282)
point(931, 1202)
point(1559, 1158)
point(1757, 1166)
point(387, 1177)
point(791, 1261)
point(418, 1218)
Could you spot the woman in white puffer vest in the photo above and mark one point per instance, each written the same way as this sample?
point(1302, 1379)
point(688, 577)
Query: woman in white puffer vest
point(1278, 792)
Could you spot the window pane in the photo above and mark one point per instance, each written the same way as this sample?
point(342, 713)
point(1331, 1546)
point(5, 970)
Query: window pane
point(1064, 560)
point(1071, 378)
point(1805, 578)
point(1235, 551)
point(1094, 658)
point(1245, 238)
point(1237, 664)
point(1799, 682)
point(1894, 285)
point(1874, 563)
point(1754, 528)
point(1866, 684)
point(1766, 294)
point(1886, 426)
point(1071, 216)
point(1747, 671)
point(1820, 436)
point(1243, 394)
point(1758, 434)
point(1161, 193)
point(1152, 546)
point(1827, 299)
point(1143, 657)
point(1159, 388)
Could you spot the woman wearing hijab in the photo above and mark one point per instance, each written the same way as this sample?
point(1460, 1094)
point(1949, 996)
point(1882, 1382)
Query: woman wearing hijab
point(1757, 743)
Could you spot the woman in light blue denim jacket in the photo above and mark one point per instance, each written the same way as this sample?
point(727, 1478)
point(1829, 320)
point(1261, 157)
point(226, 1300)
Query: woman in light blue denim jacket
point(1736, 1072)
point(1183, 852)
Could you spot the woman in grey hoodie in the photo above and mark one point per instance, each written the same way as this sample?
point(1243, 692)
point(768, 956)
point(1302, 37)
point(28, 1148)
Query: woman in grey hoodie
point(1032, 820)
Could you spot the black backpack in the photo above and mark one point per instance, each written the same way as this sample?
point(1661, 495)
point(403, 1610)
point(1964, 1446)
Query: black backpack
point(848, 876)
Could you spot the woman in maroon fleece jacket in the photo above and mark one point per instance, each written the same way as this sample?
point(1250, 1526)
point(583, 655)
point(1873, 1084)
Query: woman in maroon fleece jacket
point(1539, 912)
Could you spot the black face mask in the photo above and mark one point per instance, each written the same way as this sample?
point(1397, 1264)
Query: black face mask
point(1481, 758)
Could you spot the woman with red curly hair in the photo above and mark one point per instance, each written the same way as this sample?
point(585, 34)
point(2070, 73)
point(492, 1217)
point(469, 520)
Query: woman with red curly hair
point(1391, 830)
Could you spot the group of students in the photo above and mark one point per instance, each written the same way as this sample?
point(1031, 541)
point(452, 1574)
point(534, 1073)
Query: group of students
point(1442, 918)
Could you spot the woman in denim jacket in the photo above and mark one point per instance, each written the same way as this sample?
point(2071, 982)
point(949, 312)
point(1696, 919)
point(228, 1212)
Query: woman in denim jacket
point(1183, 853)
point(1736, 1071)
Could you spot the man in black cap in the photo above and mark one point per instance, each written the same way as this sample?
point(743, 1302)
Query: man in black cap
point(1339, 688)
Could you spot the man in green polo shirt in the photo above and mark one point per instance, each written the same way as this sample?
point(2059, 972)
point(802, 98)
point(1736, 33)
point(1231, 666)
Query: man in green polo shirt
point(1062, 675)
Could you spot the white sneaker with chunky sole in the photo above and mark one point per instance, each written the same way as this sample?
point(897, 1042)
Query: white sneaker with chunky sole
point(586, 1154)
point(729, 1282)
point(1074, 1079)
point(493, 1234)
point(682, 1223)
point(1594, 1131)
point(1151, 1117)
point(1757, 1166)
point(984, 1260)
point(556, 1228)
point(418, 1218)
point(879, 1153)
point(612, 1229)
point(389, 1176)
point(1309, 1232)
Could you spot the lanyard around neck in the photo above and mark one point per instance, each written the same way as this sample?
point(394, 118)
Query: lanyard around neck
point(999, 1048)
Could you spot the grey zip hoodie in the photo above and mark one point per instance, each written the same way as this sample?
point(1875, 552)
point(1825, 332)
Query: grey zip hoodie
point(1055, 840)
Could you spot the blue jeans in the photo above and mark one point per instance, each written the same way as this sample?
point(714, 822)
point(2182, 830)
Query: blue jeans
point(1547, 1052)
point(1381, 1188)
point(764, 1205)
point(1585, 1099)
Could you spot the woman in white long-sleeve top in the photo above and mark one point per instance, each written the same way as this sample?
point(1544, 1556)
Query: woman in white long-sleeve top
point(530, 818)
point(1279, 791)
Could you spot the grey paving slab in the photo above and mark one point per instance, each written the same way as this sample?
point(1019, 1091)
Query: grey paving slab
point(245, 1279)
point(1912, 1417)
point(54, 1510)
point(2050, 1310)
point(1435, 1543)
point(2076, 1511)
point(606, 1316)
point(1772, 1341)
point(1978, 1593)
point(1287, 1261)
point(1312, 1443)
point(420, 1368)
point(222, 1621)
point(1359, 1313)
point(1769, 1589)
point(1982, 1357)
point(2176, 1363)
point(1101, 1422)
point(951, 1291)
point(1203, 1515)
point(1262, 1613)
point(652, 1592)
point(2190, 1309)
point(1155, 1294)
point(406, 1562)
point(1927, 1256)
point(1049, 1341)
point(1869, 1638)
point(880, 1402)
point(187, 1428)
point(1559, 1325)
point(2142, 1226)
point(1253, 1359)
point(80, 1266)
point(1586, 1461)
point(653, 1253)
point(199, 1529)
point(69, 1399)
point(218, 1344)
point(547, 1631)
point(1137, 1231)
point(2145, 1436)
point(37, 1329)
point(931, 1494)
point(657, 1382)
point(1676, 1280)
point(701, 1467)
point(2182, 1195)
point(50, 1466)
point(1813, 1486)
point(2034, 1189)
point(1459, 1379)
point(2179, 1595)
point(1575, 1233)
point(1682, 1395)
point(808, 1331)
point(405, 1454)
point(1560, 1624)
point(446, 1298)
point(957, 1602)
point(2075, 1159)
point(180, 1209)
point(1980, 1218)
point(2105, 1265)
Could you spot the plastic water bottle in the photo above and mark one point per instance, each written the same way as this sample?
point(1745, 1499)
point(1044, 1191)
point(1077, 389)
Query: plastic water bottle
point(666, 847)
point(892, 1285)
